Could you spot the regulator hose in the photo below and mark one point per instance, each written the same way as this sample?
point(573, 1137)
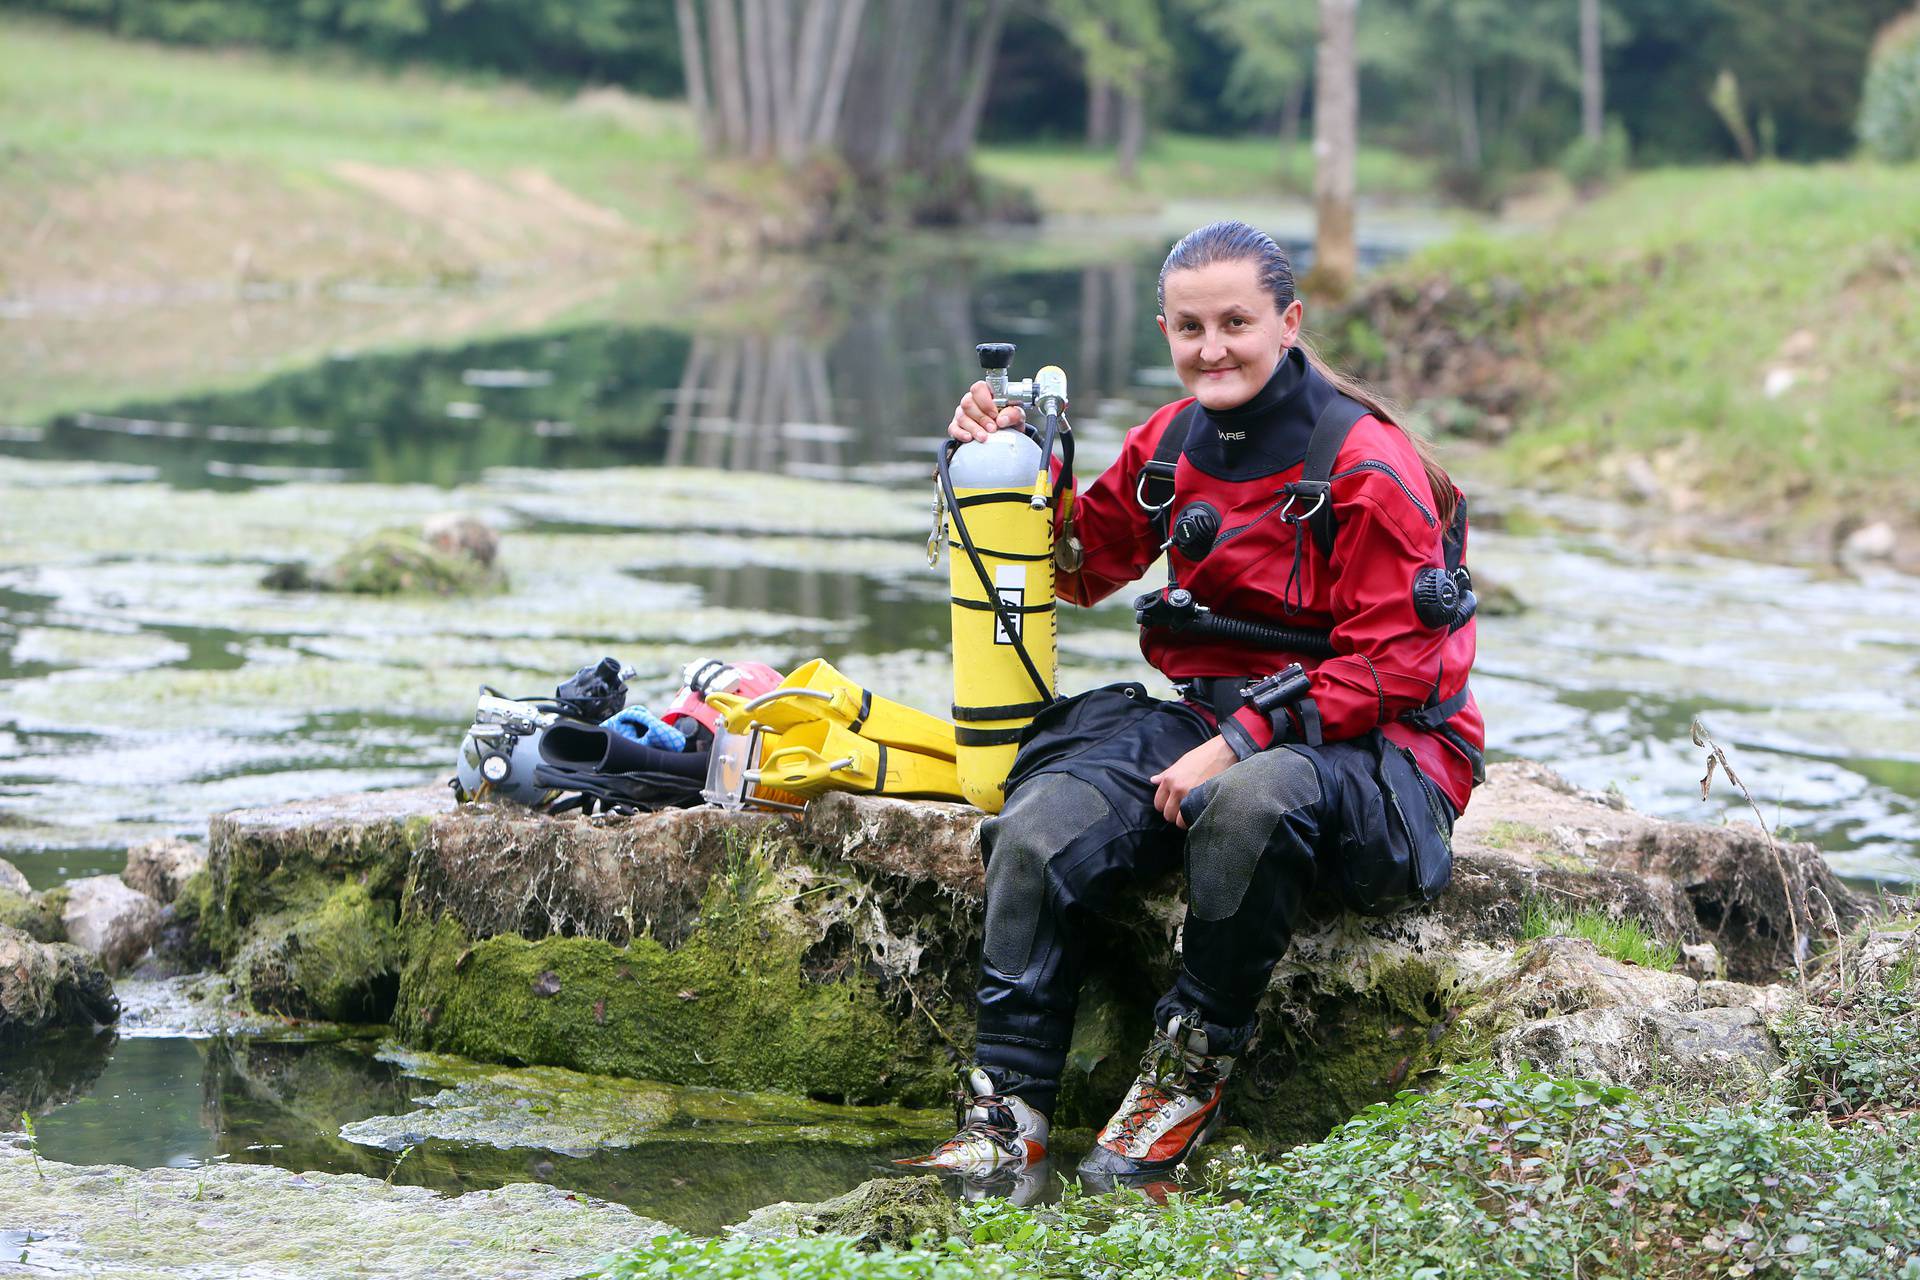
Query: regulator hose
point(1175, 611)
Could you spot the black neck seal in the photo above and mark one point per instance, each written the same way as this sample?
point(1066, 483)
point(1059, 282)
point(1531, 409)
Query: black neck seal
point(1268, 433)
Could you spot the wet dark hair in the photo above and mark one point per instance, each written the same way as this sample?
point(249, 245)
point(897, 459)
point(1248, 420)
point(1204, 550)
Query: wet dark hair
point(1230, 240)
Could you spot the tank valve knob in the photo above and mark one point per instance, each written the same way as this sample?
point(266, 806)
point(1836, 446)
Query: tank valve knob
point(995, 355)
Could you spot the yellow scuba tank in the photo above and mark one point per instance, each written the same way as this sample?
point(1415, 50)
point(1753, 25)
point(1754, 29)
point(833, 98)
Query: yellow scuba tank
point(999, 494)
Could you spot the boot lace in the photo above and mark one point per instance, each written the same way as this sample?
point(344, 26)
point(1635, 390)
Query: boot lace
point(1168, 1070)
point(995, 1123)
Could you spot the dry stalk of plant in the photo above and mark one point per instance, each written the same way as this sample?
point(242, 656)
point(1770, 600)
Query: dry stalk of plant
point(1717, 758)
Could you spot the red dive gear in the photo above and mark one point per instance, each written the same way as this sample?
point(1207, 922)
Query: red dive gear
point(1262, 564)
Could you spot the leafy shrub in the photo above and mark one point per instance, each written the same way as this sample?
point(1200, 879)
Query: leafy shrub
point(1505, 1177)
point(1853, 1046)
point(1889, 123)
point(1594, 164)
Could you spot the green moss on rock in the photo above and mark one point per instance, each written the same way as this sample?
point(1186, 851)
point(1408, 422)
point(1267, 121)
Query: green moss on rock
point(340, 962)
point(741, 1004)
point(884, 1211)
point(290, 861)
point(32, 916)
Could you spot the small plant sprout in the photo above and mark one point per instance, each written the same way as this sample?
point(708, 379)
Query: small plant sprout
point(397, 1162)
point(33, 1145)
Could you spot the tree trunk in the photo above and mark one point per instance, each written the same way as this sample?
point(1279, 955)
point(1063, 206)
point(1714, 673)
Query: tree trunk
point(1336, 139)
point(694, 58)
point(833, 97)
point(723, 33)
point(809, 80)
point(1592, 103)
point(1133, 131)
point(1466, 114)
point(781, 57)
point(973, 100)
point(1099, 112)
point(759, 78)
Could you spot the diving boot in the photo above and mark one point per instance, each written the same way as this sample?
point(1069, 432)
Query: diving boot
point(997, 1131)
point(1173, 1107)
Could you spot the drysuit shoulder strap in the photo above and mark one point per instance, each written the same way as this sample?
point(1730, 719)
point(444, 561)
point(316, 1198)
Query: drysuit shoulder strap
point(1154, 490)
point(1330, 430)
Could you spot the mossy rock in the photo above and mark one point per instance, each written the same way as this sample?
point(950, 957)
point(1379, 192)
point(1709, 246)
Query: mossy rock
point(393, 562)
point(37, 916)
point(884, 1211)
point(338, 963)
point(288, 861)
point(761, 995)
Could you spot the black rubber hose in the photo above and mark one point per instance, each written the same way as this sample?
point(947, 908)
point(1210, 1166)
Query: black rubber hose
point(1264, 635)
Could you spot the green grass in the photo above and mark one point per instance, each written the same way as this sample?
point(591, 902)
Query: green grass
point(1656, 314)
point(1623, 940)
point(1070, 179)
point(73, 100)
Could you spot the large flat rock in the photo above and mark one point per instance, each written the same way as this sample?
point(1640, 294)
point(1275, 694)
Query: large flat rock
point(109, 1222)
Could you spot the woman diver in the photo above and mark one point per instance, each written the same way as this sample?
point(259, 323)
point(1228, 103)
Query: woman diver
point(1293, 495)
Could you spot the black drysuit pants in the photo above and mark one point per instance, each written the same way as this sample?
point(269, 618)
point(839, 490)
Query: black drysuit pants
point(1080, 824)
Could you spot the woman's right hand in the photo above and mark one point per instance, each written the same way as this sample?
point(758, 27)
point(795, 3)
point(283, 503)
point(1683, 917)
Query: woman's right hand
point(975, 417)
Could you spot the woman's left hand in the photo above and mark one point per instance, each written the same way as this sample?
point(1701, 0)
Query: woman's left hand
point(1208, 760)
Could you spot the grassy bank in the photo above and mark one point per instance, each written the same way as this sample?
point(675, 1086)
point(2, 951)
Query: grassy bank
point(1073, 181)
point(1728, 343)
point(132, 164)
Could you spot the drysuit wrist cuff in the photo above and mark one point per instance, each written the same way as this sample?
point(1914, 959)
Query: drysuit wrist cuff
point(1244, 739)
point(1298, 723)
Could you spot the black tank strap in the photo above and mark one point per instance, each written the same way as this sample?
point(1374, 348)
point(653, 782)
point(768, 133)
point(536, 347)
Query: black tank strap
point(1154, 491)
point(1314, 487)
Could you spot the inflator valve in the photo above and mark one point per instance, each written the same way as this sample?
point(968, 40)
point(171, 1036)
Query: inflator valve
point(1194, 530)
point(1441, 599)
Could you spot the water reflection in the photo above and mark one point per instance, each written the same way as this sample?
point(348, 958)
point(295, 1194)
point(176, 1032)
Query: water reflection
point(180, 1102)
point(856, 381)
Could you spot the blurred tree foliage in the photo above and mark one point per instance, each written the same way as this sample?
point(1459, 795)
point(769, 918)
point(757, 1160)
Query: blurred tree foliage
point(1491, 84)
point(1890, 109)
point(627, 42)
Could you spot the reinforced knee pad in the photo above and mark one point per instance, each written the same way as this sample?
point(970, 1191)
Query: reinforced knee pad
point(1247, 804)
point(1037, 825)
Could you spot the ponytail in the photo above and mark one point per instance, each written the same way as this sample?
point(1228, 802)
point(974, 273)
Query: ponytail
point(1445, 497)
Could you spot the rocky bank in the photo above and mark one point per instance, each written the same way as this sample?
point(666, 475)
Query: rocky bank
point(832, 954)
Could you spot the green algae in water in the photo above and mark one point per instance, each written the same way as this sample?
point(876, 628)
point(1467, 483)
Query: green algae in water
point(245, 1100)
point(571, 1113)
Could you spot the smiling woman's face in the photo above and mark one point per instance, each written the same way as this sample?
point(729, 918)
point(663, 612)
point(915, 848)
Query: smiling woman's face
point(1224, 331)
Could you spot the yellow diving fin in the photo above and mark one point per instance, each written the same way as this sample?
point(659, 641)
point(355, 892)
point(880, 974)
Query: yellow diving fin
point(819, 755)
point(815, 691)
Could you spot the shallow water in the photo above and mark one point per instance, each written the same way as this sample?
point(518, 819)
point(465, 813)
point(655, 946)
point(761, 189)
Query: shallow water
point(178, 1102)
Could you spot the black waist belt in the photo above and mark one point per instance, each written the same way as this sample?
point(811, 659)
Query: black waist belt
point(1220, 693)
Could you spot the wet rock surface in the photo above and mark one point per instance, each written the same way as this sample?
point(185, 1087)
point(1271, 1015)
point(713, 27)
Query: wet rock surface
point(106, 918)
point(46, 986)
point(883, 1211)
point(833, 953)
point(161, 868)
point(234, 1220)
point(13, 880)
